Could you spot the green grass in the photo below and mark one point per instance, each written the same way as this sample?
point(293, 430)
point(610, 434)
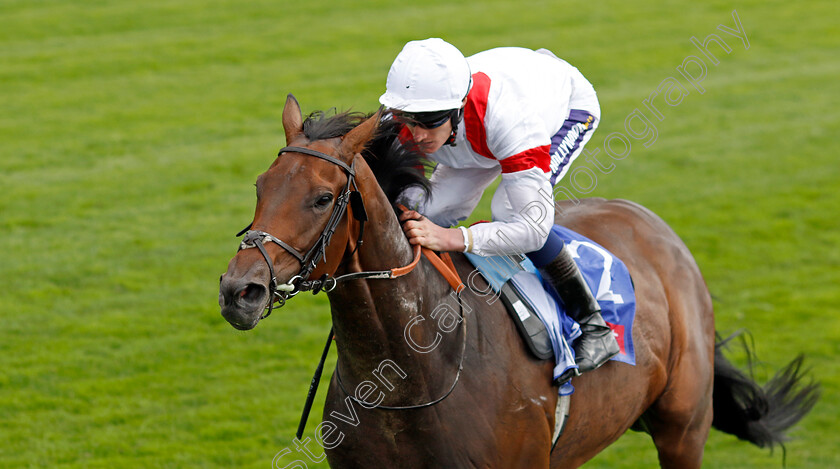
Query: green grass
point(131, 134)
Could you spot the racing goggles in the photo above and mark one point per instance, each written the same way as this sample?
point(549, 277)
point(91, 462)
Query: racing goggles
point(426, 120)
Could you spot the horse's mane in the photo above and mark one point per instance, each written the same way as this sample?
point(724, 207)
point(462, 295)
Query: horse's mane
point(320, 126)
point(396, 165)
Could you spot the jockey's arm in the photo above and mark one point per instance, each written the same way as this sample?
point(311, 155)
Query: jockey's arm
point(523, 205)
point(523, 214)
point(454, 195)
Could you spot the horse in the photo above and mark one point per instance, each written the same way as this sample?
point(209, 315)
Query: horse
point(427, 377)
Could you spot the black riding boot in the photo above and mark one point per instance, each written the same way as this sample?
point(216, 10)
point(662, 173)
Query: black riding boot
point(597, 344)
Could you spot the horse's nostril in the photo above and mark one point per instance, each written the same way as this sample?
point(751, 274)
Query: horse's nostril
point(251, 294)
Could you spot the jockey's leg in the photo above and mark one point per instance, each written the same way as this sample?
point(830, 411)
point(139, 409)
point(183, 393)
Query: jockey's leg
point(597, 344)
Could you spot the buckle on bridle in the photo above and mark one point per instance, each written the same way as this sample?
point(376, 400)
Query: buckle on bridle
point(329, 284)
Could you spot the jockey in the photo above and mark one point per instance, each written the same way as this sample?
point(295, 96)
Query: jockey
point(520, 113)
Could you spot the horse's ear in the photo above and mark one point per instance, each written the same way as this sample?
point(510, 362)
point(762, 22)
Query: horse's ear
point(292, 119)
point(357, 138)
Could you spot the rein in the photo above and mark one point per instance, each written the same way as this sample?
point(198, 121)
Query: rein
point(447, 269)
point(416, 406)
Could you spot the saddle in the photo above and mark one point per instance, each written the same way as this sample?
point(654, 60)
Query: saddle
point(537, 312)
point(525, 319)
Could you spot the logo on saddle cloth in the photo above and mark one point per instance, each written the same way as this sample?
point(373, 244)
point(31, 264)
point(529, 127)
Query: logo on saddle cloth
point(606, 276)
point(618, 333)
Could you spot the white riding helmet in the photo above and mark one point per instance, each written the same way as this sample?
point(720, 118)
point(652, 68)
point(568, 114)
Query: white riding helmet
point(428, 75)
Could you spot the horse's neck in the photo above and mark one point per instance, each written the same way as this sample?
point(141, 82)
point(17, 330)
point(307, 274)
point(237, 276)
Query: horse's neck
point(370, 317)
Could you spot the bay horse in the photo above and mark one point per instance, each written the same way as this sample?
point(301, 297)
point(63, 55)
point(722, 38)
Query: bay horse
point(429, 378)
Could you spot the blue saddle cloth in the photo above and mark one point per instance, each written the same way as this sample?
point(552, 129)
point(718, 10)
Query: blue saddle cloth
point(607, 278)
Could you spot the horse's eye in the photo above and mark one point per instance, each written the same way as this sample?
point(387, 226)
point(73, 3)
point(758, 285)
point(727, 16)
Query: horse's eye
point(324, 201)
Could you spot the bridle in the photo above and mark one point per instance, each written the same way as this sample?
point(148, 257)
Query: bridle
point(309, 260)
point(318, 251)
point(301, 282)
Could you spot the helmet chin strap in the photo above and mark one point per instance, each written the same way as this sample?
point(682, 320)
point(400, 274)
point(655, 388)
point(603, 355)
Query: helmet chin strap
point(455, 119)
point(457, 115)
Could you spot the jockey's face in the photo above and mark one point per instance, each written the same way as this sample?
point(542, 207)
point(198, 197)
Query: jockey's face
point(430, 140)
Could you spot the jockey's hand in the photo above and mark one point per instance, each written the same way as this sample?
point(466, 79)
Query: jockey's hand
point(420, 230)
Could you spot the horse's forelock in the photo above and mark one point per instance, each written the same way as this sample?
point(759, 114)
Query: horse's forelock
point(320, 126)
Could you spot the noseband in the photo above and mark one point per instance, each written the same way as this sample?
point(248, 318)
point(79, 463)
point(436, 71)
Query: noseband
point(308, 261)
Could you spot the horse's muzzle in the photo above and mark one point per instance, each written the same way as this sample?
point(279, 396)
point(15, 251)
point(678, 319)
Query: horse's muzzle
point(242, 301)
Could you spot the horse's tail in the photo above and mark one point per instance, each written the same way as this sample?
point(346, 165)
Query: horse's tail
point(755, 413)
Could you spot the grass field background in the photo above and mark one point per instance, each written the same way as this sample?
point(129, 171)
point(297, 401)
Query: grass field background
point(131, 135)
